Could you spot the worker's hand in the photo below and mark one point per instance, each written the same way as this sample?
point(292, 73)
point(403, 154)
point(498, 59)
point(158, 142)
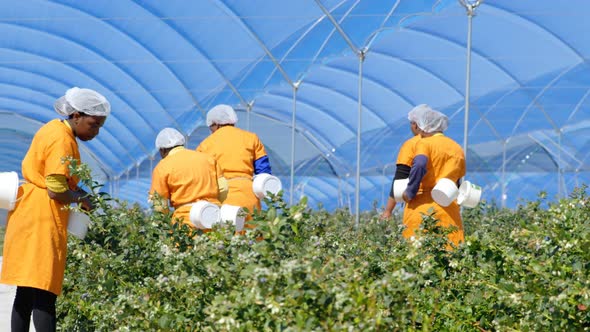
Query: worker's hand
point(86, 204)
point(84, 200)
point(385, 215)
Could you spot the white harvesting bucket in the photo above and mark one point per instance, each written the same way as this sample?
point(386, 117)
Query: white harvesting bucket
point(266, 182)
point(78, 224)
point(204, 214)
point(469, 194)
point(234, 214)
point(399, 186)
point(8, 190)
point(445, 192)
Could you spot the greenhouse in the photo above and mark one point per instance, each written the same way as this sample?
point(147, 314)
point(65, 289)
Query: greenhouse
point(147, 235)
point(326, 85)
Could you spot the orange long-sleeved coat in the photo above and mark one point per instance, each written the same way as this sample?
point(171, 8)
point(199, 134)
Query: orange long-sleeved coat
point(446, 159)
point(236, 150)
point(35, 243)
point(186, 176)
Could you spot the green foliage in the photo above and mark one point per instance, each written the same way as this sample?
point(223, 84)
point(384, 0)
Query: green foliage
point(303, 270)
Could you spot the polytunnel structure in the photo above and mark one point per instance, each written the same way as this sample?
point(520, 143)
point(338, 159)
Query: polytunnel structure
point(326, 84)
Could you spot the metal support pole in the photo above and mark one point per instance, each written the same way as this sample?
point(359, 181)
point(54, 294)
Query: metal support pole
point(503, 197)
point(559, 175)
point(470, 6)
point(357, 196)
point(293, 119)
point(248, 111)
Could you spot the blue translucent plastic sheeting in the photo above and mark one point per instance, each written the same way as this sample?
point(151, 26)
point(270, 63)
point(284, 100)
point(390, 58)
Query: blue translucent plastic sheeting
point(164, 64)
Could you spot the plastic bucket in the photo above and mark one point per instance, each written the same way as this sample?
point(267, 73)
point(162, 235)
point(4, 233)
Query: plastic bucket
point(8, 190)
point(204, 214)
point(399, 186)
point(445, 192)
point(469, 194)
point(265, 182)
point(78, 224)
point(234, 214)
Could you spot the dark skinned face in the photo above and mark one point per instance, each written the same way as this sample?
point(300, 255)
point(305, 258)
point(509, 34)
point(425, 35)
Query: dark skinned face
point(86, 127)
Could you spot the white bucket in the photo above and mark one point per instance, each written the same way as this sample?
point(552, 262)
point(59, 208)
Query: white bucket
point(234, 214)
point(8, 190)
point(204, 214)
point(469, 194)
point(399, 186)
point(78, 224)
point(265, 182)
point(445, 192)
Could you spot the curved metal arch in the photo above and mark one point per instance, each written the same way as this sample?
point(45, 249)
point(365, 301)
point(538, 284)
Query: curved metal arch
point(566, 130)
point(258, 106)
point(476, 53)
point(142, 46)
point(525, 147)
point(302, 131)
point(254, 36)
point(107, 170)
point(318, 143)
point(205, 56)
point(331, 34)
point(311, 105)
point(538, 26)
point(305, 165)
point(458, 45)
point(101, 56)
point(300, 39)
point(492, 107)
point(91, 78)
point(544, 145)
point(579, 105)
point(323, 87)
point(375, 81)
point(534, 101)
point(516, 80)
point(420, 68)
point(45, 108)
point(355, 75)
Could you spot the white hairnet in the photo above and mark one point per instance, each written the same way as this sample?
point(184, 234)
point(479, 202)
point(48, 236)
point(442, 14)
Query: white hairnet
point(417, 112)
point(433, 121)
point(168, 138)
point(86, 101)
point(221, 114)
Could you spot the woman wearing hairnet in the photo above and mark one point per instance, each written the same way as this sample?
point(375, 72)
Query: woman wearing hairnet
point(35, 243)
point(405, 156)
point(184, 176)
point(239, 153)
point(436, 157)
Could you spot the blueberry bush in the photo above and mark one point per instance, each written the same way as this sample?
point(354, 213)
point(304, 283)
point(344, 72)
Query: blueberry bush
point(311, 270)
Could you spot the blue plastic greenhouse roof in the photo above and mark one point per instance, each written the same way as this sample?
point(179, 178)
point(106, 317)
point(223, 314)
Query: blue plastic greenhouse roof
point(165, 63)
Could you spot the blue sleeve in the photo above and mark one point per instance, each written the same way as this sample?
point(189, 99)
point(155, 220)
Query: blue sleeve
point(416, 174)
point(262, 165)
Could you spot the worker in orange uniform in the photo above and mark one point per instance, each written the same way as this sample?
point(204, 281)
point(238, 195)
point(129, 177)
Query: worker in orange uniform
point(240, 154)
point(35, 243)
point(405, 156)
point(436, 157)
point(184, 177)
